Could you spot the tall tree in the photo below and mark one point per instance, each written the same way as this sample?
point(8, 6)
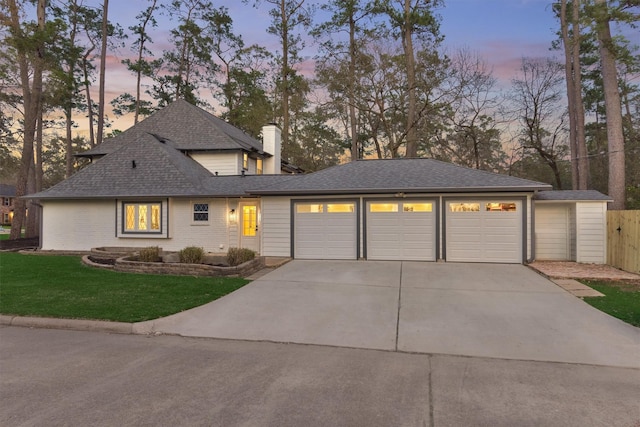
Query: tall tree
point(29, 42)
point(571, 41)
point(615, 135)
point(286, 17)
point(346, 16)
point(142, 67)
point(410, 19)
point(103, 73)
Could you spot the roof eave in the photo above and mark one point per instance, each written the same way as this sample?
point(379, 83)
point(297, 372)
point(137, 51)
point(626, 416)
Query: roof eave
point(524, 189)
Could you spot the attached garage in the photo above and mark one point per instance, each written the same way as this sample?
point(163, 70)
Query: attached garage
point(484, 230)
point(325, 229)
point(401, 230)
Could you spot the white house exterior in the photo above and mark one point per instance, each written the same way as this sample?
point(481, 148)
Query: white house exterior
point(210, 185)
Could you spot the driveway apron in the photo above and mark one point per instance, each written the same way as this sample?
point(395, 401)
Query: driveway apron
point(486, 310)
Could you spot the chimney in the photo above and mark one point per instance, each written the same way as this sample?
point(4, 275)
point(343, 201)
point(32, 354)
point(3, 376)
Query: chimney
point(271, 134)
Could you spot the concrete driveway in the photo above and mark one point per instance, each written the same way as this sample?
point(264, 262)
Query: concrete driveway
point(488, 310)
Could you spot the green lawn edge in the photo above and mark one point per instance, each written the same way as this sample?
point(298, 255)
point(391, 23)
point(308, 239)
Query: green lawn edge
point(63, 287)
point(620, 301)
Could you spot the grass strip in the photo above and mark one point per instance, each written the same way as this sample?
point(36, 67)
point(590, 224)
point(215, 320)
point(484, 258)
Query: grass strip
point(63, 287)
point(621, 300)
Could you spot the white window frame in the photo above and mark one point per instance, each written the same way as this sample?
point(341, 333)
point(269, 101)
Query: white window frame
point(195, 221)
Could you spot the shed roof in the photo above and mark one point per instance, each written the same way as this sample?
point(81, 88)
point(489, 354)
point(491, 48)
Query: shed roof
point(400, 175)
point(572, 195)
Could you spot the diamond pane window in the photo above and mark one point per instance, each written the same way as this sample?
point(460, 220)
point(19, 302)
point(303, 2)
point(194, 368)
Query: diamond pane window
point(130, 222)
point(142, 217)
point(201, 212)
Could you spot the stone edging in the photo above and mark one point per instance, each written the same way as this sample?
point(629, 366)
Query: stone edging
point(181, 269)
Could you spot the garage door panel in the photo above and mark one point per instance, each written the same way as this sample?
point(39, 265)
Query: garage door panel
point(322, 233)
point(401, 230)
point(481, 231)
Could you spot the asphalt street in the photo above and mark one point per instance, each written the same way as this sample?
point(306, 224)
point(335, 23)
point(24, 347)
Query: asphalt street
point(72, 378)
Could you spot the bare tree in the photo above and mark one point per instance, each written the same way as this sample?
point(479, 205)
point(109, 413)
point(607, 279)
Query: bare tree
point(536, 95)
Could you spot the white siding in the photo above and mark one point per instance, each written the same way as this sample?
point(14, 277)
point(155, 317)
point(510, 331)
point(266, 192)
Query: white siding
point(276, 226)
point(223, 163)
point(84, 224)
point(553, 232)
point(591, 232)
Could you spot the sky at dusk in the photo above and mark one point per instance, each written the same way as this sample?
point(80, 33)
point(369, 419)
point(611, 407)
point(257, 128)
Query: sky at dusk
point(501, 31)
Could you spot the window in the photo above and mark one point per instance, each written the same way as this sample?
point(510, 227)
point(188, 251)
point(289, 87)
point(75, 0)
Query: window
point(142, 217)
point(249, 220)
point(464, 207)
point(417, 207)
point(340, 207)
point(245, 161)
point(201, 212)
point(6, 201)
point(259, 166)
point(501, 207)
point(310, 208)
point(383, 207)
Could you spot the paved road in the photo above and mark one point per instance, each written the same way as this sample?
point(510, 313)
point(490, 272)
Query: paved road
point(488, 310)
point(57, 377)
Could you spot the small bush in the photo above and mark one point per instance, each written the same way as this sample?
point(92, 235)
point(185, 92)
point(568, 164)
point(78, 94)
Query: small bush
point(237, 256)
point(150, 254)
point(191, 255)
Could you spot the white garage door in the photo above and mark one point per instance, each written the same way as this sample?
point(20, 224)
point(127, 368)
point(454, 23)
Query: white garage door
point(553, 232)
point(484, 231)
point(401, 230)
point(325, 230)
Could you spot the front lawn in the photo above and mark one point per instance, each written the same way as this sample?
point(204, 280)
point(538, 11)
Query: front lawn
point(61, 286)
point(621, 300)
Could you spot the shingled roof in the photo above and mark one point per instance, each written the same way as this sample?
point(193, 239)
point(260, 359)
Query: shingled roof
point(189, 127)
point(573, 195)
point(150, 166)
point(400, 175)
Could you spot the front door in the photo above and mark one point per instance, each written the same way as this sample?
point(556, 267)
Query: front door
point(249, 227)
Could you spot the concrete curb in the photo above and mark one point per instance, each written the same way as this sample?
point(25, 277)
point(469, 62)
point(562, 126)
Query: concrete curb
point(140, 328)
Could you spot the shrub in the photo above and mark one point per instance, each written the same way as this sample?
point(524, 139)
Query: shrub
point(191, 255)
point(150, 254)
point(237, 256)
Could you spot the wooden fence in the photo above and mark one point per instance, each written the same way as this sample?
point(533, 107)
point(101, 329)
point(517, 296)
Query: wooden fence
point(623, 240)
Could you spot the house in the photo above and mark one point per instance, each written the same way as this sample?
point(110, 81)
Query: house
point(7, 196)
point(183, 177)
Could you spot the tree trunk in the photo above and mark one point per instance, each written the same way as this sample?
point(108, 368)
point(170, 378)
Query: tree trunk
point(407, 43)
point(285, 82)
point(352, 81)
point(32, 108)
point(579, 159)
point(87, 88)
point(615, 135)
point(103, 63)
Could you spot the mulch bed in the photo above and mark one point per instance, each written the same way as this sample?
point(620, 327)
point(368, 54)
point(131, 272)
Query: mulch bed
point(17, 244)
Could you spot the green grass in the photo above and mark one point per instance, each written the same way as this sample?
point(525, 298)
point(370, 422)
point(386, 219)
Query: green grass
point(621, 300)
point(63, 287)
point(4, 236)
